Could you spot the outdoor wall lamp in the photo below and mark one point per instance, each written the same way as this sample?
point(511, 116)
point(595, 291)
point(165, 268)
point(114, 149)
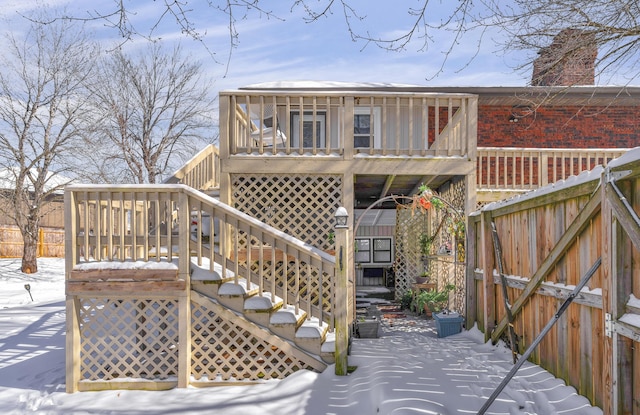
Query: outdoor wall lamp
point(341, 217)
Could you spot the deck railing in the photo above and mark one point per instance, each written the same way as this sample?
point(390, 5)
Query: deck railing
point(201, 172)
point(522, 169)
point(110, 226)
point(346, 124)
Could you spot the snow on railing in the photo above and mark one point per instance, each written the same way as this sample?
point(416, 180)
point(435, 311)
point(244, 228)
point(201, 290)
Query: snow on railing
point(117, 224)
point(511, 168)
point(201, 172)
point(348, 123)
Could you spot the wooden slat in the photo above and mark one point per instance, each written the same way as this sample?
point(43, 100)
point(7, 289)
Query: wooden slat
point(136, 288)
point(627, 218)
point(581, 221)
point(124, 274)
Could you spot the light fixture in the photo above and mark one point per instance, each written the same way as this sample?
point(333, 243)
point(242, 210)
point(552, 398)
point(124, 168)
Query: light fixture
point(341, 217)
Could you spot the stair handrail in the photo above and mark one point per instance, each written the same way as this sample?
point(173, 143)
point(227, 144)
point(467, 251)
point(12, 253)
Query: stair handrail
point(201, 172)
point(121, 220)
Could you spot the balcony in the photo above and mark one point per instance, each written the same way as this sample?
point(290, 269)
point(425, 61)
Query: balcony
point(347, 124)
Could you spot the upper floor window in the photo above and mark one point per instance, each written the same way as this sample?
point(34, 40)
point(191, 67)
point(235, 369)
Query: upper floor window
point(366, 130)
point(308, 130)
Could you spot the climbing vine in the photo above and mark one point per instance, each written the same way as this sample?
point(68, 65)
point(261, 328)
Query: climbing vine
point(452, 219)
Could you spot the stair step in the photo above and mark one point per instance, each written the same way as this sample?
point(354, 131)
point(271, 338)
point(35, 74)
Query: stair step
point(206, 281)
point(258, 308)
point(311, 334)
point(234, 295)
point(203, 272)
point(328, 348)
point(285, 321)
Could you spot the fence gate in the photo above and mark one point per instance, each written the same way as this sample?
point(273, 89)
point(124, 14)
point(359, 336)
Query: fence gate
point(550, 238)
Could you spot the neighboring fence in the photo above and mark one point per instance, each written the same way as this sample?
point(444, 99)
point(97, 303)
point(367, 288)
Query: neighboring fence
point(50, 242)
point(504, 170)
point(550, 238)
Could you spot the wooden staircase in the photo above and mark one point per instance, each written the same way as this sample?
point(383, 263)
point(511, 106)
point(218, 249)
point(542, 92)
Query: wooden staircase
point(285, 325)
point(257, 304)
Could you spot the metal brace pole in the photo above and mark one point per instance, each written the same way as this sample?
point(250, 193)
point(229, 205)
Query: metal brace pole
point(543, 333)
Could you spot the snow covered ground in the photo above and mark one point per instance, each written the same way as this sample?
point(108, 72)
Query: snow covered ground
point(406, 371)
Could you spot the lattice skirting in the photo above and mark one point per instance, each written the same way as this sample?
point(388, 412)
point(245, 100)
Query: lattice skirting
point(222, 350)
point(128, 339)
point(135, 340)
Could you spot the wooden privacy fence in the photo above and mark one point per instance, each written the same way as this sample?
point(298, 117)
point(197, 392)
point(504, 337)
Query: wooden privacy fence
point(50, 242)
point(550, 239)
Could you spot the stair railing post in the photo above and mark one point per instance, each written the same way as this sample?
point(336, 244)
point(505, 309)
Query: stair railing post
point(340, 291)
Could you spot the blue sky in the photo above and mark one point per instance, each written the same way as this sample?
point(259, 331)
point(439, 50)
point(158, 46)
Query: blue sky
point(287, 48)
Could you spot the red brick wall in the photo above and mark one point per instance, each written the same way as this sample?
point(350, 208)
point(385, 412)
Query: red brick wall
point(559, 127)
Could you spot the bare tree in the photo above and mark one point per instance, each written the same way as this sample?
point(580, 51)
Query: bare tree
point(526, 24)
point(41, 115)
point(150, 109)
point(609, 26)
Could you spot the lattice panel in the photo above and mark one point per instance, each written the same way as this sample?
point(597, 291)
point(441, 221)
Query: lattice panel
point(300, 205)
point(223, 351)
point(454, 271)
point(410, 223)
point(128, 339)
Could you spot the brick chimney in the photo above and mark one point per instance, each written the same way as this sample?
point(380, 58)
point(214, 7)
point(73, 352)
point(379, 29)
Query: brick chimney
point(569, 60)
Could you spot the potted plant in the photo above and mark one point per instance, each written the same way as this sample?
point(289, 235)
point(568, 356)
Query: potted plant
point(432, 301)
point(423, 278)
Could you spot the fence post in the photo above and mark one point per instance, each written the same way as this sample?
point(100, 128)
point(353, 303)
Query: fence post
point(543, 166)
point(184, 300)
point(488, 262)
point(341, 292)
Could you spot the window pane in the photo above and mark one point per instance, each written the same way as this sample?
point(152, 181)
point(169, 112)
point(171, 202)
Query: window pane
point(363, 250)
point(382, 244)
point(307, 133)
point(361, 124)
point(361, 141)
point(381, 256)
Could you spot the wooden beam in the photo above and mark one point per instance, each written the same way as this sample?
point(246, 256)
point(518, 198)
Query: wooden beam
point(625, 215)
point(387, 186)
point(587, 188)
point(471, 304)
point(626, 171)
point(589, 299)
point(580, 222)
point(137, 288)
point(124, 274)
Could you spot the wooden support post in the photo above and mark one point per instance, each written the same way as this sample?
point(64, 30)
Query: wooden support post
point(340, 297)
point(184, 301)
point(624, 235)
point(72, 335)
point(488, 289)
point(608, 271)
point(72, 344)
point(471, 303)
